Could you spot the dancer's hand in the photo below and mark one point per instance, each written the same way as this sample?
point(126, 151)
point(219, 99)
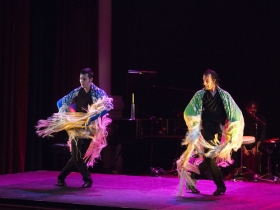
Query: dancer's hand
point(254, 150)
point(92, 118)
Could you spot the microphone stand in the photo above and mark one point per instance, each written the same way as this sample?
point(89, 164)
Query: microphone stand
point(254, 116)
point(256, 137)
point(268, 176)
point(257, 158)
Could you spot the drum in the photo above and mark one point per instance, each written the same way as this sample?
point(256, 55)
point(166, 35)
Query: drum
point(270, 143)
point(248, 139)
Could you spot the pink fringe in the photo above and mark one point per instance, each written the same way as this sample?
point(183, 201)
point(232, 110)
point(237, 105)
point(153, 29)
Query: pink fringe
point(98, 141)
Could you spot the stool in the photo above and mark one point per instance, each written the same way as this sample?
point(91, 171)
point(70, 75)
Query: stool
point(61, 155)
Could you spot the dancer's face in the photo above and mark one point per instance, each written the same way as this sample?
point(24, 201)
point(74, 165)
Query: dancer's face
point(208, 82)
point(85, 81)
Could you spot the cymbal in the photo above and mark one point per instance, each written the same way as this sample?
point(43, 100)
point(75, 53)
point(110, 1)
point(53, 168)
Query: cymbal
point(273, 140)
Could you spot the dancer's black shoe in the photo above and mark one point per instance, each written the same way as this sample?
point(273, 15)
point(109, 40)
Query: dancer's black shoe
point(87, 184)
point(193, 189)
point(220, 190)
point(61, 183)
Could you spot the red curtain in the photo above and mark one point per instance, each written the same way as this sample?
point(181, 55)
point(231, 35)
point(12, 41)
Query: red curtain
point(14, 66)
point(43, 47)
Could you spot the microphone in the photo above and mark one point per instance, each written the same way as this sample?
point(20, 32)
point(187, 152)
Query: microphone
point(251, 113)
point(256, 117)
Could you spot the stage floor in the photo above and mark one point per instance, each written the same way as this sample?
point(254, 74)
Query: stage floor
point(37, 190)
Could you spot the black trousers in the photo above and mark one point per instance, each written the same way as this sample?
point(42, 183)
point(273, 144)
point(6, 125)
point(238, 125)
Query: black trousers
point(78, 152)
point(210, 163)
point(216, 172)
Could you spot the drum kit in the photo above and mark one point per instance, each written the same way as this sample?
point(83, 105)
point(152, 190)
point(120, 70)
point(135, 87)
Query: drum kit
point(269, 145)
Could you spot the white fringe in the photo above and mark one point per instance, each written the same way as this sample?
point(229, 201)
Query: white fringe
point(76, 125)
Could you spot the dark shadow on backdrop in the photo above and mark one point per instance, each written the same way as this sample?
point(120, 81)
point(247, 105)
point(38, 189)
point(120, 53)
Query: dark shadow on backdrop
point(181, 39)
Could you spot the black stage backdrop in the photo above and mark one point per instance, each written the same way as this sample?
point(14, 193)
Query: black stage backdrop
point(44, 45)
point(181, 39)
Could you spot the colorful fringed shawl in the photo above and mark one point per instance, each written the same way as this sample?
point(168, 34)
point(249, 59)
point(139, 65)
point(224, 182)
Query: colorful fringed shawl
point(77, 126)
point(231, 138)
